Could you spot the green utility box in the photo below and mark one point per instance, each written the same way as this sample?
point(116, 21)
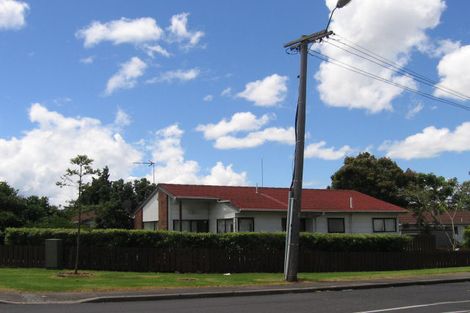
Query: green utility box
point(54, 254)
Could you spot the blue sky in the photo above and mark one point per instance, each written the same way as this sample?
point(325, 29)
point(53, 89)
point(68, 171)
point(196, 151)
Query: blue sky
point(205, 89)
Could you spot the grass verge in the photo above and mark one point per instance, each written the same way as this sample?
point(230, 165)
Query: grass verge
point(42, 280)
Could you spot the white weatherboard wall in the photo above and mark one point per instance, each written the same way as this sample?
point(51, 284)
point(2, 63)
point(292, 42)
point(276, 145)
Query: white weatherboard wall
point(150, 210)
point(220, 211)
point(265, 221)
point(358, 223)
point(191, 210)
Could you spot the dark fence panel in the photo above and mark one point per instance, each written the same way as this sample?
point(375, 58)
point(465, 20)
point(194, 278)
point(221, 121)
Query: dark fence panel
point(422, 243)
point(220, 261)
point(21, 256)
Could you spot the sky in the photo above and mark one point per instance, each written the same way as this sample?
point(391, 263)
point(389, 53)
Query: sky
point(206, 90)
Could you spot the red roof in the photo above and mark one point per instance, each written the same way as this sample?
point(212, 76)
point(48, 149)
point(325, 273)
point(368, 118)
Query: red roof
point(461, 218)
point(275, 199)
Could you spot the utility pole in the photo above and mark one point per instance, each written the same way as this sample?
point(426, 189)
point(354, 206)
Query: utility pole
point(301, 45)
point(295, 195)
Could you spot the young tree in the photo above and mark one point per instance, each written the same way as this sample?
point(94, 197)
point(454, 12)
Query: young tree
point(436, 196)
point(74, 177)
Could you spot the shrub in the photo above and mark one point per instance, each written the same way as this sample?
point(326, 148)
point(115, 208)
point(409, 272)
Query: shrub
point(466, 237)
point(229, 241)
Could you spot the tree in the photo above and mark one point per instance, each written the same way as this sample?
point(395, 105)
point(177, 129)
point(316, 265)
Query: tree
point(74, 177)
point(18, 211)
point(436, 196)
point(381, 178)
point(114, 201)
point(11, 207)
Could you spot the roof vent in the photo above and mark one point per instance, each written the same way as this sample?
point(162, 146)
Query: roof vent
point(350, 202)
point(256, 188)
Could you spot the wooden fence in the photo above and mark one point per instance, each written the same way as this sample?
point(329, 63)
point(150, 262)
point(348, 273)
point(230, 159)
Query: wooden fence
point(22, 256)
point(218, 261)
point(422, 243)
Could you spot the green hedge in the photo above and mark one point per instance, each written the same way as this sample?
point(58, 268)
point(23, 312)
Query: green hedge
point(230, 241)
point(466, 237)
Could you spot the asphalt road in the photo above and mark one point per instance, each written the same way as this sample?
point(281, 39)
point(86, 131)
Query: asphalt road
point(440, 298)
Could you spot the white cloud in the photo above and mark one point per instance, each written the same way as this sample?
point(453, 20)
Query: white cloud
point(440, 47)
point(225, 176)
point(87, 60)
point(126, 77)
point(257, 138)
point(122, 118)
point(227, 92)
point(430, 143)
point(413, 110)
point(176, 75)
point(319, 151)
point(454, 72)
point(153, 50)
point(242, 121)
point(390, 28)
point(267, 92)
point(12, 14)
point(179, 30)
point(136, 31)
point(172, 167)
point(37, 159)
point(208, 98)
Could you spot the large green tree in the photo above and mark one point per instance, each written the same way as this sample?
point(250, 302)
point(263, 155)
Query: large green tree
point(114, 201)
point(33, 211)
point(378, 177)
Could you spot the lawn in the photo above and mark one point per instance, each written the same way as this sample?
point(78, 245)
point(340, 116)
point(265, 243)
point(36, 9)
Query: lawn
point(42, 280)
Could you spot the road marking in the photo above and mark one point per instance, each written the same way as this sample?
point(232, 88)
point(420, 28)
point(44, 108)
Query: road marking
point(415, 306)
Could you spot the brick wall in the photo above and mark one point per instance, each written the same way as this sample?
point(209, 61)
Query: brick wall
point(138, 220)
point(162, 211)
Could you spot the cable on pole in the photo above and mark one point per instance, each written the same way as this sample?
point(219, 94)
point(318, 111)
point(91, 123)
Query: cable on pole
point(357, 70)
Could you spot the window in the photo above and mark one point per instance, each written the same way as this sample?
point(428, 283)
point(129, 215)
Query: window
point(302, 227)
point(151, 225)
point(225, 225)
point(246, 224)
point(384, 225)
point(193, 226)
point(336, 225)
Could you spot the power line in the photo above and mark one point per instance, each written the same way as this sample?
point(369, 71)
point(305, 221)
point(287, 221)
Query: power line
point(357, 70)
point(389, 64)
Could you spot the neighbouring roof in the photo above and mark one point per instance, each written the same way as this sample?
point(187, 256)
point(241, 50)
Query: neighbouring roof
point(275, 199)
point(461, 218)
point(86, 216)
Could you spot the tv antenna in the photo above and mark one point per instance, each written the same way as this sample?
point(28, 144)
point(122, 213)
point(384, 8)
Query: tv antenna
point(149, 163)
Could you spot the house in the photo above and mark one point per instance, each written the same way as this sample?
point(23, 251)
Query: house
point(441, 229)
point(221, 209)
point(88, 219)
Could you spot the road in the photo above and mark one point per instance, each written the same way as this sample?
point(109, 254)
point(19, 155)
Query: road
point(440, 298)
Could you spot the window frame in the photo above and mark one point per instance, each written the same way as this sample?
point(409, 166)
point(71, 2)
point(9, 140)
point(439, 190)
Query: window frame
point(336, 219)
point(384, 225)
point(246, 218)
point(154, 224)
point(225, 220)
point(175, 228)
point(302, 224)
